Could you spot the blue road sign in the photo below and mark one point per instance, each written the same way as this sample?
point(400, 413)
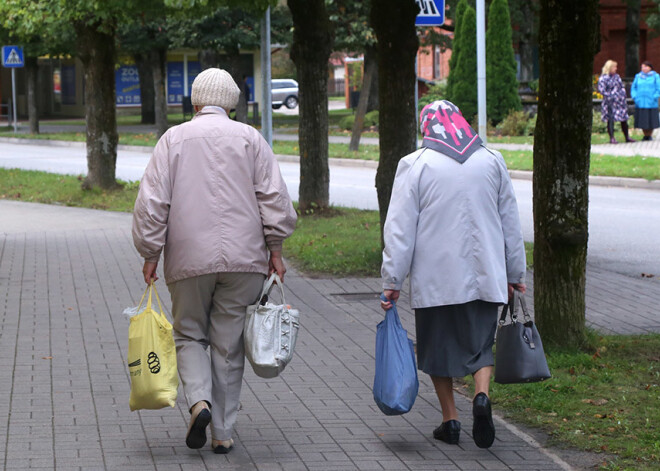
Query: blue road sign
point(431, 13)
point(12, 56)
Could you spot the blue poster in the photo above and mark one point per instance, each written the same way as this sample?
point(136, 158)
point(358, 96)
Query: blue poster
point(174, 82)
point(193, 71)
point(127, 84)
point(175, 89)
point(68, 84)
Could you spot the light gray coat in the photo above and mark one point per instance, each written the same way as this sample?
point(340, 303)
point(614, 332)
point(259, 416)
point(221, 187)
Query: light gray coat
point(454, 228)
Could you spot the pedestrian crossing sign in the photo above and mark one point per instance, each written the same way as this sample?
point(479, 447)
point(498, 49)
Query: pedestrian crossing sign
point(12, 56)
point(431, 13)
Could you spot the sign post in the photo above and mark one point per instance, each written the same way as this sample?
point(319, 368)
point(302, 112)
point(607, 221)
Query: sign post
point(431, 13)
point(12, 57)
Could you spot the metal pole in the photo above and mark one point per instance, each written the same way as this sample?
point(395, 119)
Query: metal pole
point(185, 74)
point(481, 68)
point(266, 107)
point(13, 96)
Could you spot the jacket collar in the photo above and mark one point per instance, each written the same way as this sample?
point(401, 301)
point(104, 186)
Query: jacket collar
point(210, 110)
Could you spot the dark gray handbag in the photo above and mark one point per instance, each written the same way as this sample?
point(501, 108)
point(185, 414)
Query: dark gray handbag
point(519, 356)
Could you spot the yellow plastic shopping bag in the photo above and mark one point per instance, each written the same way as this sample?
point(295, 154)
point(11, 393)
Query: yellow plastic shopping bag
point(151, 358)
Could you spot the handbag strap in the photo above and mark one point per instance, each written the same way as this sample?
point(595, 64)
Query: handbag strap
point(511, 308)
point(151, 289)
point(268, 285)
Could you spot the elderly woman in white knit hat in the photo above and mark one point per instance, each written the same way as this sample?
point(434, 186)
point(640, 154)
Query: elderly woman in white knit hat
point(213, 200)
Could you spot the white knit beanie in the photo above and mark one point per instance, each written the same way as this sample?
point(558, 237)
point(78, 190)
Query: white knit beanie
point(215, 87)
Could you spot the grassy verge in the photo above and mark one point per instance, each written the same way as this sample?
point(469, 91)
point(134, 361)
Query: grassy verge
point(337, 151)
point(605, 399)
point(42, 187)
point(600, 164)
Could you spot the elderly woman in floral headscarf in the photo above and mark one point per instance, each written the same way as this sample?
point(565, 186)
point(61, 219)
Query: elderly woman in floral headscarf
point(453, 225)
point(614, 106)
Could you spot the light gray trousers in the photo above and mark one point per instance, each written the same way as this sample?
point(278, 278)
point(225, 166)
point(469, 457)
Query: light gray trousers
point(209, 310)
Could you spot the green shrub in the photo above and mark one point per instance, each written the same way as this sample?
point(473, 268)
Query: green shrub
point(517, 123)
point(435, 93)
point(370, 119)
point(502, 88)
point(531, 125)
point(597, 125)
point(464, 76)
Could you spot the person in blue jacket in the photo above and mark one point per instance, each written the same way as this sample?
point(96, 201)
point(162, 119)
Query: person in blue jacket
point(645, 91)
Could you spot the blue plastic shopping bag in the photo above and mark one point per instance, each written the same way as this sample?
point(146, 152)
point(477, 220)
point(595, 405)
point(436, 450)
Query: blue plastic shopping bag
point(395, 383)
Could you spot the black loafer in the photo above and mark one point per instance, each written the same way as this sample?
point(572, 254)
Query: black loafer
point(448, 432)
point(483, 429)
point(196, 437)
point(223, 450)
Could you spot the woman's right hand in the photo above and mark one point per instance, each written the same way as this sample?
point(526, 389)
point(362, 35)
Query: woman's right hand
point(522, 287)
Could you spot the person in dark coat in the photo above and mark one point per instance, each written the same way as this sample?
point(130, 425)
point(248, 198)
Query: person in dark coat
point(614, 106)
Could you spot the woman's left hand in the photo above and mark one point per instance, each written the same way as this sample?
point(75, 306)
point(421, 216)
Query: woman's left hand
point(391, 295)
point(522, 287)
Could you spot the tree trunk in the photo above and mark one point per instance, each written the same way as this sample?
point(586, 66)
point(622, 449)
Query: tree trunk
point(525, 46)
point(32, 72)
point(96, 50)
point(632, 37)
point(157, 60)
point(568, 38)
point(312, 43)
point(147, 93)
point(208, 58)
point(365, 93)
point(394, 24)
point(371, 55)
point(234, 66)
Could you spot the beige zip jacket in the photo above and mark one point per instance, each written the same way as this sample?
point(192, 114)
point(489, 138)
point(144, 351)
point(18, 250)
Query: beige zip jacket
point(213, 198)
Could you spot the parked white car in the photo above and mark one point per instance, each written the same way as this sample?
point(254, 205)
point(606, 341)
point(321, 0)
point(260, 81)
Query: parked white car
point(284, 92)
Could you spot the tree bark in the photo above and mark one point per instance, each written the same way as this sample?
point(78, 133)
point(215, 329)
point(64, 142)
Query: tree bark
point(371, 55)
point(147, 93)
point(32, 72)
point(525, 46)
point(208, 58)
point(569, 37)
point(394, 24)
point(96, 50)
point(365, 93)
point(312, 43)
point(157, 61)
point(632, 37)
point(234, 62)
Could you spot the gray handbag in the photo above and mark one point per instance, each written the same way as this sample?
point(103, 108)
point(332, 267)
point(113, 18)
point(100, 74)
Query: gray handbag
point(271, 331)
point(519, 356)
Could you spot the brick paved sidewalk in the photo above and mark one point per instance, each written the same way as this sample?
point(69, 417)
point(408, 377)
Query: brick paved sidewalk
point(67, 274)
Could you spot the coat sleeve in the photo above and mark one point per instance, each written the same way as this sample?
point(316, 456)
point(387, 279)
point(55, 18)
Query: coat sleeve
point(277, 213)
point(633, 89)
point(656, 93)
point(152, 205)
point(400, 231)
point(514, 245)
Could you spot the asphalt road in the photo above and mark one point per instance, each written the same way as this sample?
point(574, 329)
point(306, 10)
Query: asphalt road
point(623, 223)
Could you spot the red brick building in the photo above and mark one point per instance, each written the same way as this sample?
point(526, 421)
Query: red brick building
point(613, 35)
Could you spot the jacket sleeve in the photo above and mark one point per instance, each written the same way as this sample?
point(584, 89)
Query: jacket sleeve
point(601, 85)
point(514, 245)
point(400, 231)
point(656, 93)
point(277, 214)
point(633, 89)
point(152, 205)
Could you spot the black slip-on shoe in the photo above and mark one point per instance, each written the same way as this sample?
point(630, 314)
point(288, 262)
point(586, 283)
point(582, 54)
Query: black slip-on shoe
point(222, 449)
point(448, 432)
point(196, 437)
point(483, 429)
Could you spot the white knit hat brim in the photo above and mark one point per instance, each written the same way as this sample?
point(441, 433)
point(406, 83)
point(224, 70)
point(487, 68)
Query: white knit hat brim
point(215, 87)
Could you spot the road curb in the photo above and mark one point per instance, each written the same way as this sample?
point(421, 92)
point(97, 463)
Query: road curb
point(638, 183)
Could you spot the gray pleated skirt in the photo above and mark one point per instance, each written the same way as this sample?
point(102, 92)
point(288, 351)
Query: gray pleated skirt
point(455, 340)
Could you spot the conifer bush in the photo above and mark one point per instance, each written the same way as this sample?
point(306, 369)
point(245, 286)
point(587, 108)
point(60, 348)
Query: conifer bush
point(464, 88)
point(502, 84)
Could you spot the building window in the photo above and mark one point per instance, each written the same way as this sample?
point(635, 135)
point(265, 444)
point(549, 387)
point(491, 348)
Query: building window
point(437, 62)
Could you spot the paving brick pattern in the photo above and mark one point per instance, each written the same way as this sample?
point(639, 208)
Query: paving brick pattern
point(65, 383)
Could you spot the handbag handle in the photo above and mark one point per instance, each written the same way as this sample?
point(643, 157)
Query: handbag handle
point(268, 285)
point(511, 308)
point(151, 288)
